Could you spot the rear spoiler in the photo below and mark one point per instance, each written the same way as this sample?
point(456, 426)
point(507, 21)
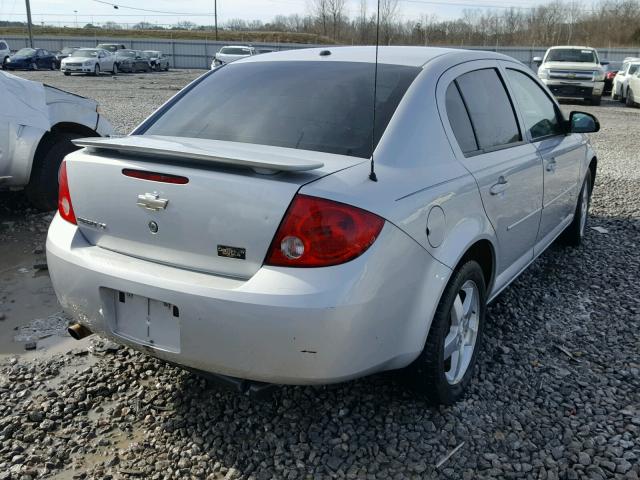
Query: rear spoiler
point(260, 158)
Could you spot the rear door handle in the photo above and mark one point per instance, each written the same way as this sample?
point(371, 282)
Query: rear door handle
point(499, 187)
point(551, 165)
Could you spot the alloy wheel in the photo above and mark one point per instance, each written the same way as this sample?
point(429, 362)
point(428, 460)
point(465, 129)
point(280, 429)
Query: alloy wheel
point(460, 342)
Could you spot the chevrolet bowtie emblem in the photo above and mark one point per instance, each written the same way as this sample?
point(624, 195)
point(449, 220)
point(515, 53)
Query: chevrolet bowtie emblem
point(152, 201)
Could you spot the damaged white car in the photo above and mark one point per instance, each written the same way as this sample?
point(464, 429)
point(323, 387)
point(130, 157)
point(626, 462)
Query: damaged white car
point(37, 124)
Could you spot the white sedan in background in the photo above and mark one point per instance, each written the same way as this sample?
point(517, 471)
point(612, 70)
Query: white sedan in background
point(231, 54)
point(630, 67)
point(91, 61)
point(632, 98)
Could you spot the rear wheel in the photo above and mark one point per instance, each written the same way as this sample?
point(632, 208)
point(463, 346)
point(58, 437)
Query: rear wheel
point(96, 70)
point(158, 67)
point(33, 66)
point(114, 70)
point(67, 73)
point(630, 100)
point(574, 234)
point(444, 369)
point(42, 189)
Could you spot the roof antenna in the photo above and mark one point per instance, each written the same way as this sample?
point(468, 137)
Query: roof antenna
point(372, 174)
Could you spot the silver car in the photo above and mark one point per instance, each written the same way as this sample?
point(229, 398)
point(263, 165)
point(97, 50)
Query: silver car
point(256, 226)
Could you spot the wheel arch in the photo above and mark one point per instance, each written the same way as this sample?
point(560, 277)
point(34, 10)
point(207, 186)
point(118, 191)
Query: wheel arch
point(593, 166)
point(482, 251)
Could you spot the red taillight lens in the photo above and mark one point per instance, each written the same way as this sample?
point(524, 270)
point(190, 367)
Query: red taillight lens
point(318, 233)
point(155, 176)
point(65, 207)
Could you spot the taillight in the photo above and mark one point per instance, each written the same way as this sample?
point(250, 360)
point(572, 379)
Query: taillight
point(65, 207)
point(318, 233)
point(155, 176)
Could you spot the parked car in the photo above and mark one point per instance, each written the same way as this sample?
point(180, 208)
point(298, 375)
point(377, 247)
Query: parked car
point(64, 53)
point(37, 124)
point(572, 72)
point(91, 61)
point(621, 81)
point(5, 52)
point(632, 93)
point(31, 59)
point(111, 47)
point(132, 61)
point(157, 60)
point(245, 236)
point(610, 71)
point(231, 54)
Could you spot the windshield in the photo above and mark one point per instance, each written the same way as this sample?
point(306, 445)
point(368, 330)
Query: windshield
point(68, 50)
point(105, 46)
point(85, 53)
point(321, 106)
point(26, 52)
point(235, 51)
point(151, 54)
point(633, 68)
point(126, 53)
point(577, 55)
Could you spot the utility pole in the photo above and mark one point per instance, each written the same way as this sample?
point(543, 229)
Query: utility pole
point(29, 23)
point(215, 16)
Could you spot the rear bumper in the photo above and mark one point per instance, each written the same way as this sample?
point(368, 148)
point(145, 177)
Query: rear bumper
point(288, 326)
point(575, 89)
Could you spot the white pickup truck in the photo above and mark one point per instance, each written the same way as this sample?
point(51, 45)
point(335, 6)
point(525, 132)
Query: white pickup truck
point(37, 124)
point(573, 72)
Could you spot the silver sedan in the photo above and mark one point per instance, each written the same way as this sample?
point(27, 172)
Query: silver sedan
point(272, 222)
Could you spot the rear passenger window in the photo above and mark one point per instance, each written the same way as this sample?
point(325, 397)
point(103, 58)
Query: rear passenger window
point(459, 120)
point(539, 112)
point(490, 109)
point(3, 46)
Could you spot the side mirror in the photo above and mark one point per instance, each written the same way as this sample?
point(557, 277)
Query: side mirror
point(605, 62)
point(581, 122)
point(537, 60)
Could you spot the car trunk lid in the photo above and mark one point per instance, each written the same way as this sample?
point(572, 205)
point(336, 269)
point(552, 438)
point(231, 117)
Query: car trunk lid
point(221, 221)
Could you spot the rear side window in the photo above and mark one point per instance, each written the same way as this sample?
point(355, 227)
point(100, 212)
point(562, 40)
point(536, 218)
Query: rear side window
point(3, 46)
point(539, 112)
point(490, 109)
point(633, 69)
point(459, 120)
point(321, 106)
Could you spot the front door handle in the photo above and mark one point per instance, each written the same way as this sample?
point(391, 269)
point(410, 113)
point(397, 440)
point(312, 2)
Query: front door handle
point(499, 187)
point(551, 165)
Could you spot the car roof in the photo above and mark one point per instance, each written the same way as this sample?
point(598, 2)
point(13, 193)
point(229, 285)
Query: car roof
point(394, 55)
point(574, 47)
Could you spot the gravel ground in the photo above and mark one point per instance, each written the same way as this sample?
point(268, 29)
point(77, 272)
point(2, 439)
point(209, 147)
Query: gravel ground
point(556, 393)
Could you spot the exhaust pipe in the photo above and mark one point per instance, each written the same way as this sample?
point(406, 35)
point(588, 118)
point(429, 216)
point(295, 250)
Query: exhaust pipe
point(79, 331)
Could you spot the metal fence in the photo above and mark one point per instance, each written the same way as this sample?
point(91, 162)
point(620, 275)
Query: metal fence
point(199, 53)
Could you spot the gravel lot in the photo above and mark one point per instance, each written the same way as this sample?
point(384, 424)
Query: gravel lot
point(556, 394)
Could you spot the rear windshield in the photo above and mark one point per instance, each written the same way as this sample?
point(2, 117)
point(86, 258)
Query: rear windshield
point(235, 51)
point(321, 106)
point(571, 55)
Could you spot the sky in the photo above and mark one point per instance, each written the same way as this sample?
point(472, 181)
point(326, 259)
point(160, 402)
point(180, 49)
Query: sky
point(68, 12)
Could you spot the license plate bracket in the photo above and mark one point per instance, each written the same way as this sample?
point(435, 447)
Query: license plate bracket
point(147, 321)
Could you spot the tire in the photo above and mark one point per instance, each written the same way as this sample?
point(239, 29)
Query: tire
point(114, 70)
point(166, 69)
point(4, 63)
point(433, 374)
point(596, 100)
point(96, 70)
point(621, 97)
point(33, 66)
point(630, 101)
point(53, 65)
point(158, 67)
point(574, 233)
point(66, 74)
point(42, 189)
